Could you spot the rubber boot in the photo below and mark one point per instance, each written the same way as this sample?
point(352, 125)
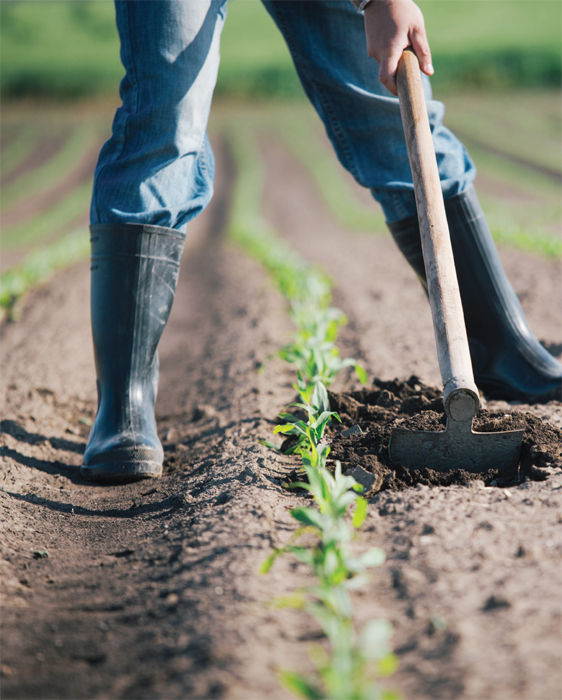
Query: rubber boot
point(133, 276)
point(508, 361)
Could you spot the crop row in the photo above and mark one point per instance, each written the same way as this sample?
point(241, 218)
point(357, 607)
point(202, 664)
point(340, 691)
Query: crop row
point(355, 659)
point(349, 668)
point(526, 221)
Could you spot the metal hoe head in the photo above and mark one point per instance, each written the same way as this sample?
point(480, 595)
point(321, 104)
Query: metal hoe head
point(456, 447)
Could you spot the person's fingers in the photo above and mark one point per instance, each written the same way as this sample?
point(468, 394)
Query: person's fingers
point(420, 45)
point(389, 65)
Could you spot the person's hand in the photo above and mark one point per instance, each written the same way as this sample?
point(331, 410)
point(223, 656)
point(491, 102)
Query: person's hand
point(390, 27)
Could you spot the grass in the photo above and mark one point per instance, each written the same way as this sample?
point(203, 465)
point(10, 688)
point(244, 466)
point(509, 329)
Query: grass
point(58, 49)
point(65, 49)
point(523, 205)
point(494, 44)
point(527, 216)
point(521, 201)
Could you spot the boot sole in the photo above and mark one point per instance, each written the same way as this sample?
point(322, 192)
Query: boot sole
point(121, 472)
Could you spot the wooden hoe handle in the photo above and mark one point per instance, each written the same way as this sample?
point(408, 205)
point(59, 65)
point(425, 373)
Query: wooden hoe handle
point(460, 395)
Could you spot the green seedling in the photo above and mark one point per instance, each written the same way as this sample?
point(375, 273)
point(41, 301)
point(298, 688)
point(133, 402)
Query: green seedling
point(356, 660)
point(38, 267)
point(349, 669)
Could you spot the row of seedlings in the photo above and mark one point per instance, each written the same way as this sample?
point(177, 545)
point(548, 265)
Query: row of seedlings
point(350, 665)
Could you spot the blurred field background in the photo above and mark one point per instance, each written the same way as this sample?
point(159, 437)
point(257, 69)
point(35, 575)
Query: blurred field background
point(498, 68)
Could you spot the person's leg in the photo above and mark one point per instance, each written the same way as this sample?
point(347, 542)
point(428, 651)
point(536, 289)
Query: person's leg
point(157, 168)
point(362, 119)
point(153, 176)
point(509, 362)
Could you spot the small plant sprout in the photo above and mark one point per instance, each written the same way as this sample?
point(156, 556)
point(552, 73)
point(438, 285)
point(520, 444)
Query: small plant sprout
point(357, 659)
point(349, 665)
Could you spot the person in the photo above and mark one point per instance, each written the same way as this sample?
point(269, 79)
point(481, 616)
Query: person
point(155, 174)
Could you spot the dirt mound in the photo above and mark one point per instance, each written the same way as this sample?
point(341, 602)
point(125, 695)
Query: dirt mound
point(369, 415)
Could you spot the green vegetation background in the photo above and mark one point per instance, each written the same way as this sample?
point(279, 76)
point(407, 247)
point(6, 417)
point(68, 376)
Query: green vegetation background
point(497, 59)
point(57, 48)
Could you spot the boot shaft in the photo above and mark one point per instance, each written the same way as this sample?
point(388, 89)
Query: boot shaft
point(134, 272)
point(487, 295)
point(509, 362)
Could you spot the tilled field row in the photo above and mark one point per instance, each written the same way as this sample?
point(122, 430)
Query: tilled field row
point(152, 590)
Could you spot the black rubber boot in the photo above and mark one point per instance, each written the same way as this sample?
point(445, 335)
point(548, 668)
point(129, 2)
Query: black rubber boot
point(509, 362)
point(134, 273)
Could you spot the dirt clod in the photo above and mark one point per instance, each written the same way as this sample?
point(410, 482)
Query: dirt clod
point(361, 440)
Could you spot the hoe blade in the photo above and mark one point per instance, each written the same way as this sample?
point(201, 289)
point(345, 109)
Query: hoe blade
point(456, 447)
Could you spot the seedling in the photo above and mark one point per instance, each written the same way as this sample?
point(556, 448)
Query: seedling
point(349, 669)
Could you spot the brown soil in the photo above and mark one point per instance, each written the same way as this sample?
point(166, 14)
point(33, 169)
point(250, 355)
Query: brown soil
point(31, 207)
point(151, 590)
point(368, 417)
point(45, 149)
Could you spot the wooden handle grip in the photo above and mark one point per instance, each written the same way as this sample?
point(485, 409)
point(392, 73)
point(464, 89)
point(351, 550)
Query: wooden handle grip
point(460, 393)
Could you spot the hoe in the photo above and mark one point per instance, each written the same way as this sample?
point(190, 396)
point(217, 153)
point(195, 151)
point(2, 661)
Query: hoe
point(458, 446)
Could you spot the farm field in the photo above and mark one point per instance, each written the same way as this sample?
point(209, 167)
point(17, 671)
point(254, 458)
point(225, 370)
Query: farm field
point(48, 158)
point(153, 590)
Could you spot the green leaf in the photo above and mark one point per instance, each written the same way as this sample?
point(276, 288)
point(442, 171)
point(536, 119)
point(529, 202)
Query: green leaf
point(283, 429)
point(361, 374)
point(295, 600)
point(373, 557)
point(308, 516)
point(375, 639)
point(299, 685)
point(358, 581)
point(320, 397)
point(304, 555)
point(360, 512)
point(289, 429)
point(269, 561)
point(323, 452)
point(322, 419)
point(331, 562)
point(269, 445)
point(332, 332)
point(387, 665)
point(326, 618)
point(289, 417)
point(299, 485)
point(390, 695)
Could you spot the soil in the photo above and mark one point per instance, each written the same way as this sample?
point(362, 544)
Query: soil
point(368, 417)
point(152, 589)
point(44, 150)
point(27, 208)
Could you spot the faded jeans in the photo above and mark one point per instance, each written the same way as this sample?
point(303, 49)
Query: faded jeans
point(158, 166)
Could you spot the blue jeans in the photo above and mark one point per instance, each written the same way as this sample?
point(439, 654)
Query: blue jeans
point(157, 167)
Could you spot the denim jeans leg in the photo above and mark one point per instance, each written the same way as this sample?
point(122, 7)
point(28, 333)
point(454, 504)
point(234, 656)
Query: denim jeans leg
point(362, 118)
point(157, 168)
